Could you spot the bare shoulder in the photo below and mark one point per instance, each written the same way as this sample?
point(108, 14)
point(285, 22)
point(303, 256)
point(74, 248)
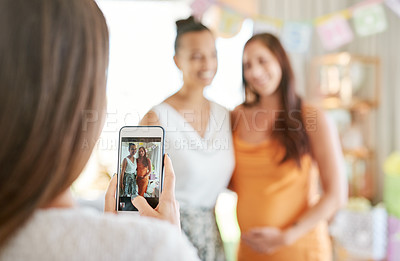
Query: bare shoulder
point(171, 99)
point(309, 110)
point(236, 111)
point(236, 116)
point(175, 102)
point(319, 127)
point(239, 107)
point(314, 119)
point(151, 118)
point(124, 161)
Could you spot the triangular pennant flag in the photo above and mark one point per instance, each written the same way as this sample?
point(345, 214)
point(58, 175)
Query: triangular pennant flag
point(335, 32)
point(230, 23)
point(296, 36)
point(369, 19)
point(266, 26)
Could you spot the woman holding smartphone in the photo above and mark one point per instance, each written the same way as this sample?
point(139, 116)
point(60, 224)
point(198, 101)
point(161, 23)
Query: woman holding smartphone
point(143, 171)
point(198, 138)
point(281, 145)
point(54, 58)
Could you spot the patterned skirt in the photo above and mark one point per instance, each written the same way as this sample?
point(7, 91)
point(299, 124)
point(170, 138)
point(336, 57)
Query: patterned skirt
point(200, 226)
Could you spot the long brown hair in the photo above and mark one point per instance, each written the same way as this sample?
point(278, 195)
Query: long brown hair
point(144, 159)
point(53, 60)
point(290, 129)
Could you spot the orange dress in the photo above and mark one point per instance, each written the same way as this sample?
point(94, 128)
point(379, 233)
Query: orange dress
point(141, 178)
point(273, 194)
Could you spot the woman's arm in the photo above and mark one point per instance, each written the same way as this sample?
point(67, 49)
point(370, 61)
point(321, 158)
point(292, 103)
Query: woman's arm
point(234, 124)
point(167, 209)
point(149, 168)
point(150, 119)
point(124, 163)
point(326, 150)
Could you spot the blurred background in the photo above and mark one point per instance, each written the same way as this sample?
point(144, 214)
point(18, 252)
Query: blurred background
point(346, 59)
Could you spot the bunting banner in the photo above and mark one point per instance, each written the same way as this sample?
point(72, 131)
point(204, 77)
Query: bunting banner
point(335, 32)
point(266, 26)
point(370, 19)
point(230, 23)
point(296, 36)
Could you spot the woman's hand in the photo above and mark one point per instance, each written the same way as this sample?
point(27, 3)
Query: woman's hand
point(109, 202)
point(168, 207)
point(266, 239)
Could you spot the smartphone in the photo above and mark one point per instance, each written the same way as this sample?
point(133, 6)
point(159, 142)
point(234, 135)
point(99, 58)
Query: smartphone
point(140, 165)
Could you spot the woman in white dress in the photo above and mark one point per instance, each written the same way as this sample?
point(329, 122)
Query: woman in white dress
point(128, 169)
point(198, 138)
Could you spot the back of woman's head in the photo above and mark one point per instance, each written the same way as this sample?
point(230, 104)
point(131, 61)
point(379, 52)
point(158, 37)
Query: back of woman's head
point(53, 60)
point(185, 26)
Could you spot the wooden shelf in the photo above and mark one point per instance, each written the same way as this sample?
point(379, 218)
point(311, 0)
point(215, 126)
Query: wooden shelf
point(333, 103)
point(348, 86)
point(361, 153)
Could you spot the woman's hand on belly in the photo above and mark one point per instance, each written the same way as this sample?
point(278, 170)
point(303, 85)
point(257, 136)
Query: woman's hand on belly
point(266, 240)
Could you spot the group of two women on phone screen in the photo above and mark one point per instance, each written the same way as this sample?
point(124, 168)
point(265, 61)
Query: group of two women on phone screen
point(135, 171)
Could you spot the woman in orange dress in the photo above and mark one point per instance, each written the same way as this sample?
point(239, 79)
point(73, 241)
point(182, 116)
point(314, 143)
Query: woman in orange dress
point(143, 171)
point(282, 147)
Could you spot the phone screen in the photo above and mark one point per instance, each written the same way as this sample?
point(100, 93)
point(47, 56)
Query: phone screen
point(140, 170)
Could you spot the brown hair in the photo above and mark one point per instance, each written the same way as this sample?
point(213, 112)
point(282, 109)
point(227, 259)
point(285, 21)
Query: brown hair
point(54, 57)
point(144, 159)
point(290, 130)
point(130, 145)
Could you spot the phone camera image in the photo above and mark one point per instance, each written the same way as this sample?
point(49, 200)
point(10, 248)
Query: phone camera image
point(139, 171)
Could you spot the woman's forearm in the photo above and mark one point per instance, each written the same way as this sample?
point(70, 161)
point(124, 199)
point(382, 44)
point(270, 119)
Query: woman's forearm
point(122, 179)
point(122, 174)
point(327, 153)
point(323, 210)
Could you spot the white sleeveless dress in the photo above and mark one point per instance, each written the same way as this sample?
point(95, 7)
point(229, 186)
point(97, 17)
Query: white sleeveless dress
point(130, 178)
point(130, 166)
point(203, 167)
